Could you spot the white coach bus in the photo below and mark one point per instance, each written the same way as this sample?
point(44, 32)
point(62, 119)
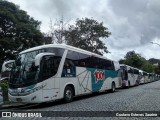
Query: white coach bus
point(141, 75)
point(146, 77)
point(151, 77)
point(130, 77)
point(51, 72)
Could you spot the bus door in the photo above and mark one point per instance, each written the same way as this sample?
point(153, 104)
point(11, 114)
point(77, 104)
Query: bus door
point(51, 85)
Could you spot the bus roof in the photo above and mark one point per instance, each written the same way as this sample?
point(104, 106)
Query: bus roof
point(133, 68)
point(126, 65)
point(65, 47)
point(129, 66)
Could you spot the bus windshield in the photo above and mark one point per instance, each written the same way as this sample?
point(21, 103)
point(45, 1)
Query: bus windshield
point(24, 70)
point(25, 73)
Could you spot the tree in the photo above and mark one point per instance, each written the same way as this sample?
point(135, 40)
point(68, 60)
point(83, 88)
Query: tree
point(156, 63)
point(56, 31)
point(87, 34)
point(136, 60)
point(18, 31)
point(148, 67)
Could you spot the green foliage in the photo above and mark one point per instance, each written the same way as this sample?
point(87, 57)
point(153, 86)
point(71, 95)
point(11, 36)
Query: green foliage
point(148, 67)
point(4, 86)
point(134, 59)
point(121, 61)
point(87, 34)
point(137, 61)
point(18, 31)
point(154, 61)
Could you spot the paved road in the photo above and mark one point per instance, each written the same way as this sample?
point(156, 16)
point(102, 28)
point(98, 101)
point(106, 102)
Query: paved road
point(140, 98)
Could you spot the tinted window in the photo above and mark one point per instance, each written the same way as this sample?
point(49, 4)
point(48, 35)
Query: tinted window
point(105, 64)
point(122, 67)
point(24, 72)
point(49, 66)
point(109, 65)
point(69, 69)
point(83, 60)
point(94, 62)
point(130, 70)
point(145, 74)
point(73, 56)
point(136, 71)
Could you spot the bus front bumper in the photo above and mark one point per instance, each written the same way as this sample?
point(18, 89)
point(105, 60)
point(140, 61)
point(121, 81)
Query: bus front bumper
point(35, 97)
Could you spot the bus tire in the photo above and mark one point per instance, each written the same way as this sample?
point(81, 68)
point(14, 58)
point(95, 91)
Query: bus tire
point(113, 89)
point(68, 94)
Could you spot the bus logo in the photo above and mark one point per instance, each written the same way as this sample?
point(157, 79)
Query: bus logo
point(6, 114)
point(99, 75)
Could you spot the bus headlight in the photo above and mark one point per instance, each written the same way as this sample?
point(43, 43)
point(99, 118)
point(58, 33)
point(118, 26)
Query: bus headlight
point(24, 91)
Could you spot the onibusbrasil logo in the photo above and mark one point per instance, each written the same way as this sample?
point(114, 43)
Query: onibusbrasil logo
point(21, 114)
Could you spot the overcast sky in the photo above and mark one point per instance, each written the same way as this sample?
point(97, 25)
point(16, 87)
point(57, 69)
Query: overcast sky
point(133, 23)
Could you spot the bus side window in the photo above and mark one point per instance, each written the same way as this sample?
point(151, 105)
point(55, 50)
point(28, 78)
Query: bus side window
point(109, 65)
point(84, 60)
point(106, 64)
point(131, 71)
point(96, 63)
point(69, 68)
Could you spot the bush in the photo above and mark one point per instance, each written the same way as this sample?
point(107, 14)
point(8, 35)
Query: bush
point(4, 86)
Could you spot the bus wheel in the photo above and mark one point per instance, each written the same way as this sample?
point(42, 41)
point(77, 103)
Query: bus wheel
point(68, 94)
point(113, 89)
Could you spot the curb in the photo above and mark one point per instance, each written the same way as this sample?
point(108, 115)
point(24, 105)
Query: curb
point(12, 105)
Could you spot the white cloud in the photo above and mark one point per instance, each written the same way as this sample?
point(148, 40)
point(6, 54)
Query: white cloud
point(133, 24)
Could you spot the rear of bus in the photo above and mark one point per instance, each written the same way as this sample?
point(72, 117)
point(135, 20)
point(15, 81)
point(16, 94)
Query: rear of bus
point(124, 75)
point(141, 77)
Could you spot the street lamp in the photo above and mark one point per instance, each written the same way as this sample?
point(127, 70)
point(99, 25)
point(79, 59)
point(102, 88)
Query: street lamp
point(155, 43)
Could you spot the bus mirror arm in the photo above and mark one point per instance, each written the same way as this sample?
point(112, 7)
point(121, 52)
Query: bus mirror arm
point(39, 57)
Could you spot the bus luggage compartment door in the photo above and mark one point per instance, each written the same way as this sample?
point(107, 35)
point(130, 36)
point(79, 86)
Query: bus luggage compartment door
point(50, 89)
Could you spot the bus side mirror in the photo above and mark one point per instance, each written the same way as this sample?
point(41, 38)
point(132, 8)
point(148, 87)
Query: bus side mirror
point(39, 57)
point(7, 66)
